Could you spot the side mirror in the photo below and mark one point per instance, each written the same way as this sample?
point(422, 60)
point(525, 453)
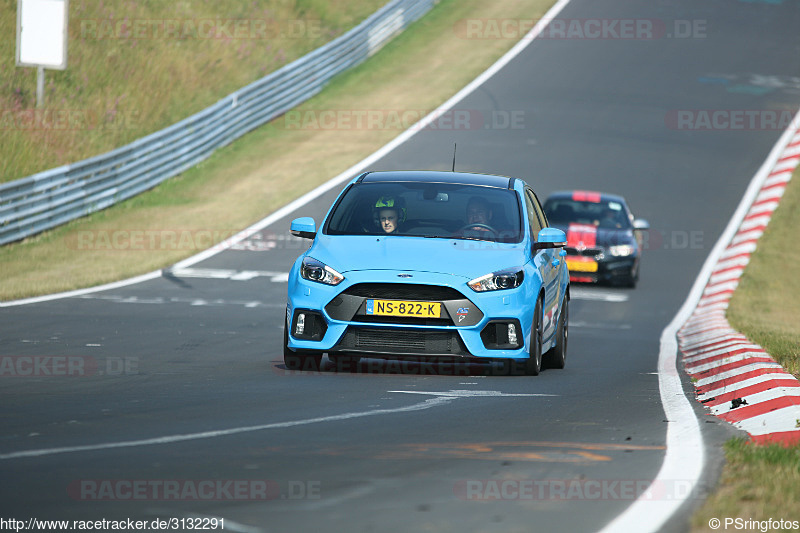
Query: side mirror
point(640, 224)
point(304, 227)
point(550, 238)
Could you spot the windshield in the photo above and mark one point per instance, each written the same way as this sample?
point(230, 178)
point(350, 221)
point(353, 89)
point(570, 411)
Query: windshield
point(427, 210)
point(608, 214)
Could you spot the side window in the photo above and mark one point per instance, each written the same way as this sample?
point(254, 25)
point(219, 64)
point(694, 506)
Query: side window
point(534, 213)
point(539, 210)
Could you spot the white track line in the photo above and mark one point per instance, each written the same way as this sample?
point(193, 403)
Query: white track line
point(169, 439)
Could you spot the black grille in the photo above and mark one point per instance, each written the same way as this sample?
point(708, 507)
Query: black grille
point(401, 342)
point(403, 291)
point(388, 339)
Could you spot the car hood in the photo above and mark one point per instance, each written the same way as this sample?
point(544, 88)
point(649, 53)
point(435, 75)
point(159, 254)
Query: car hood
point(594, 237)
point(466, 258)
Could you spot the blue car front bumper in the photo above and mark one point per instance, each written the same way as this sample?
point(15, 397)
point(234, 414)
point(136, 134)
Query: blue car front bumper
point(492, 324)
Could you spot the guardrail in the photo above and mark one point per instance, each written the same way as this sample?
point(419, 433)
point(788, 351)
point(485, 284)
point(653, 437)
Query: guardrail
point(45, 200)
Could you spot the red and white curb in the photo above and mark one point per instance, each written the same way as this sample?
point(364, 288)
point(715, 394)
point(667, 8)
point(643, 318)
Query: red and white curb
point(735, 379)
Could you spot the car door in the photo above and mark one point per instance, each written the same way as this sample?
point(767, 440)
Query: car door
point(546, 261)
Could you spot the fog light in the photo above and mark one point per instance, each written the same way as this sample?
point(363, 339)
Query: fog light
point(502, 334)
point(512, 333)
point(300, 327)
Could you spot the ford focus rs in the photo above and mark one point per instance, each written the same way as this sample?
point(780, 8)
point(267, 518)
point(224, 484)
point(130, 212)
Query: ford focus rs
point(604, 240)
point(430, 266)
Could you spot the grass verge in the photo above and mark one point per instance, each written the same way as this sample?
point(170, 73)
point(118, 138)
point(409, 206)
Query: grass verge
point(243, 182)
point(766, 306)
point(759, 483)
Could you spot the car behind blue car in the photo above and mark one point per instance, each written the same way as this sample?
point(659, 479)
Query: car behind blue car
point(604, 240)
point(430, 265)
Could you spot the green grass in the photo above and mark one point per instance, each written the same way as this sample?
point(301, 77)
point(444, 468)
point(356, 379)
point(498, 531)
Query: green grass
point(766, 305)
point(122, 83)
point(758, 483)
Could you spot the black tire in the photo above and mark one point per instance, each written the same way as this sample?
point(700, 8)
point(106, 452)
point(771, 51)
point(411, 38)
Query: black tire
point(299, 359)
point(533, 365)
point(556, 357)
point(633, 279)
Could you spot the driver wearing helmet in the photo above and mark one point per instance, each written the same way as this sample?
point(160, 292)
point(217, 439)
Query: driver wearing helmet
point(389, 213)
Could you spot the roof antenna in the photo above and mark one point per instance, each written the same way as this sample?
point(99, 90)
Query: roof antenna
point(454, 156)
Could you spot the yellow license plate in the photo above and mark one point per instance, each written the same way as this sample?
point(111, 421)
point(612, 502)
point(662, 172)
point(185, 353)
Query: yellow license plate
point(582, 266)
point(404, 308)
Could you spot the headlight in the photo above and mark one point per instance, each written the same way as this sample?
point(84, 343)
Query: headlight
point(505, 279)
point(314, 270)
point(621, 250)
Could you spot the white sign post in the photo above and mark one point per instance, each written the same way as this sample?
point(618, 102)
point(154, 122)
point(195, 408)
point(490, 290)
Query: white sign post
point(42, 38)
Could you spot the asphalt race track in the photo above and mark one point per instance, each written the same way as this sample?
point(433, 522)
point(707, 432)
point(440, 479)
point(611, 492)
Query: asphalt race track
point(178, 386)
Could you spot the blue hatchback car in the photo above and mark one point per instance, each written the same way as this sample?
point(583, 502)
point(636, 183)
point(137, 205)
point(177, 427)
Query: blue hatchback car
point(430, 265)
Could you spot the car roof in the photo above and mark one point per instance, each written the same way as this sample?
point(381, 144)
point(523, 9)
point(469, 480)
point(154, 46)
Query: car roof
point(436, 176)
point(587, 196)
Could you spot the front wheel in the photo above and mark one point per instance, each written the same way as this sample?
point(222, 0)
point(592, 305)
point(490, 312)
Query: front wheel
point(300, 359)
point(633, 277)
point(557, 355)
point(533, 365)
